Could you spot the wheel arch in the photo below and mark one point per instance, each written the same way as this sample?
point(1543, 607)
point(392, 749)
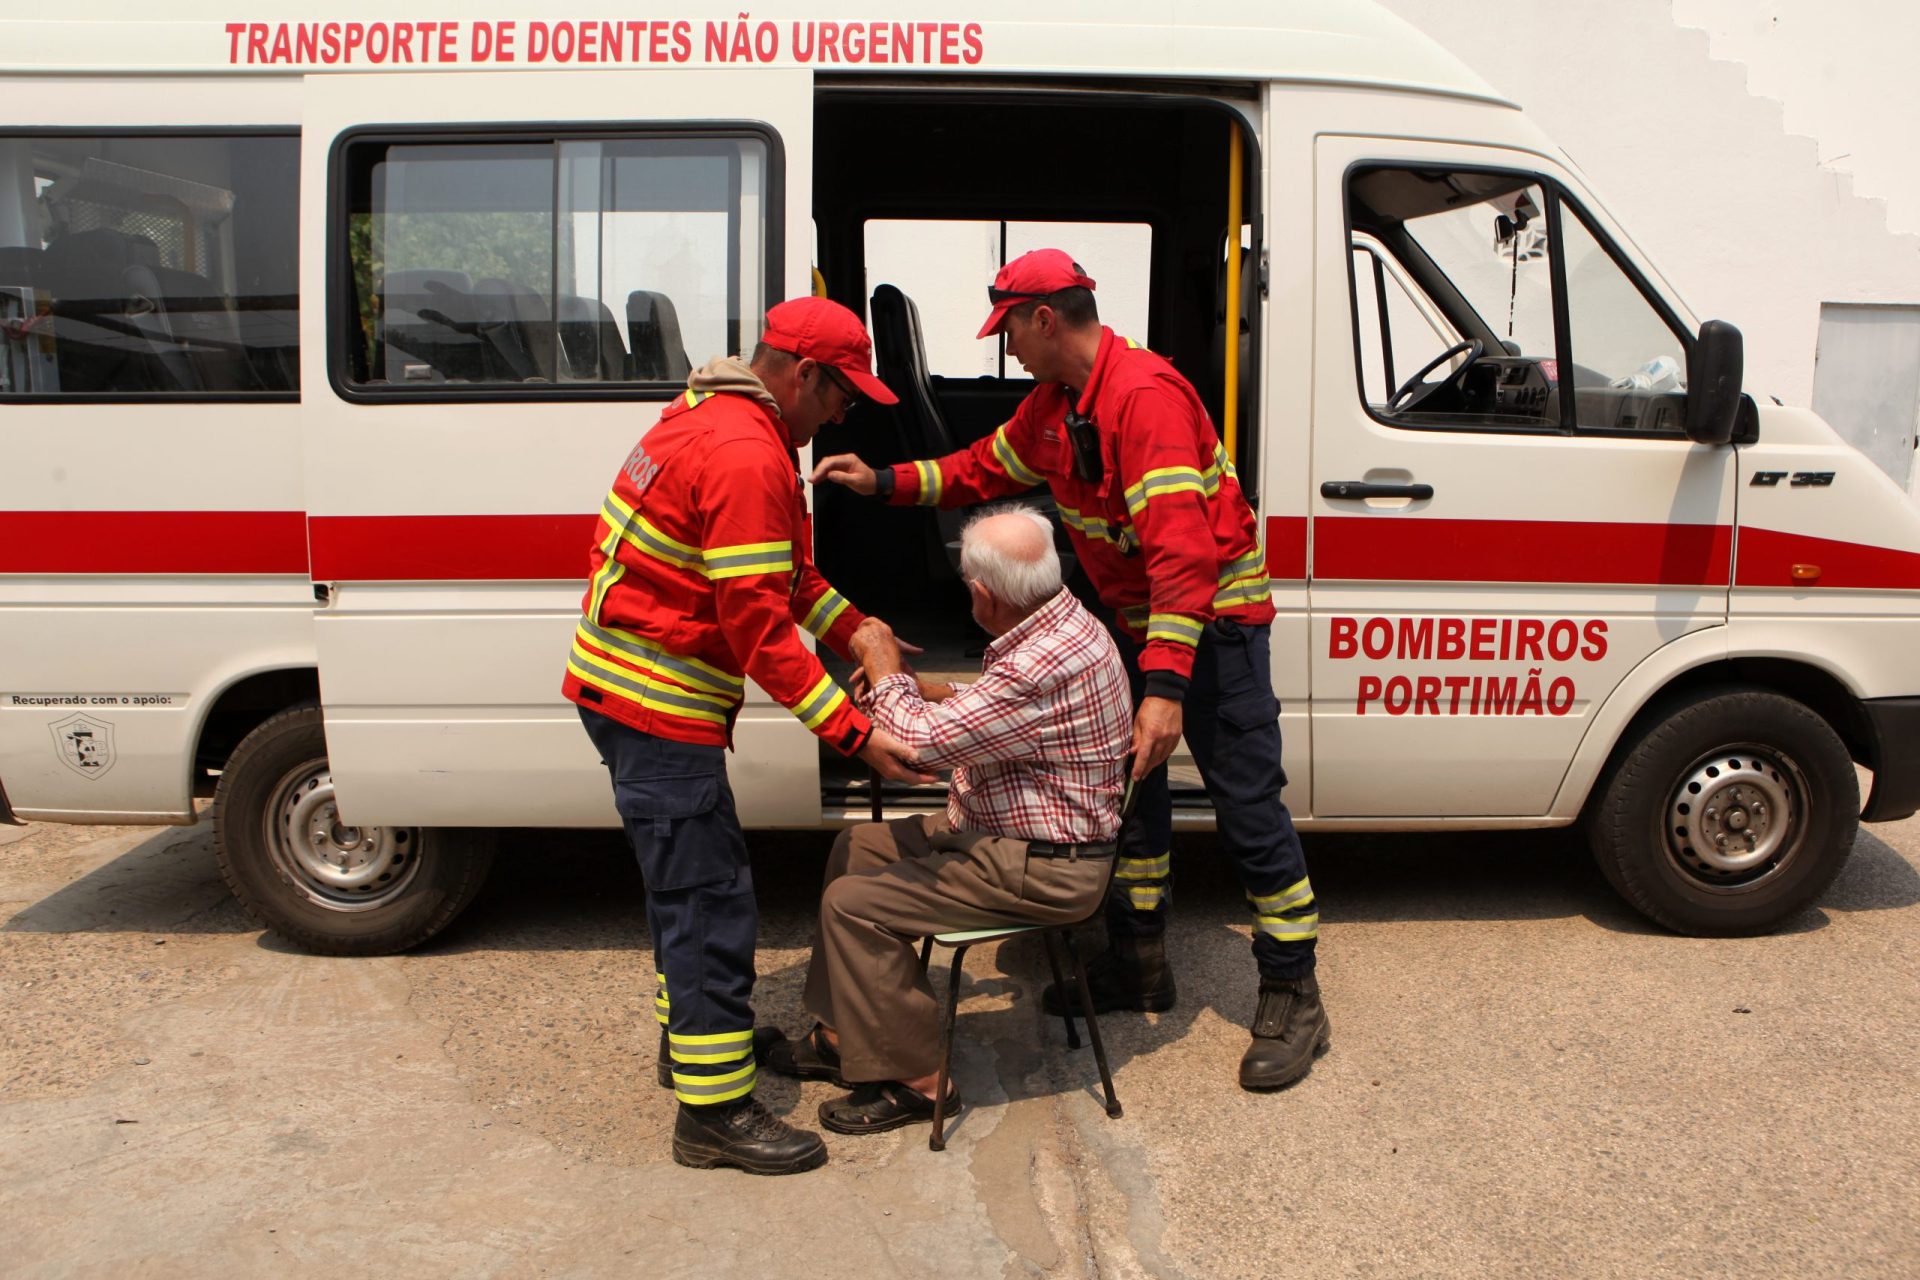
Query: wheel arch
point(246, 701)
point(1691, 666)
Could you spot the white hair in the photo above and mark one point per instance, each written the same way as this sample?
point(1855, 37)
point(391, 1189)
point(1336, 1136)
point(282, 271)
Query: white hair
point(1019, 582)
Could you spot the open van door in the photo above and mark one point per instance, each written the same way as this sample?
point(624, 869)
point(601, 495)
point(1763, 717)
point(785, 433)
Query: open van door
point(508, 305)
point(1506, 513)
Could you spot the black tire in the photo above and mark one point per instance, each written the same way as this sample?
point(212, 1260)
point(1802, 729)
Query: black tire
point(336, 890)
point(1733, 810)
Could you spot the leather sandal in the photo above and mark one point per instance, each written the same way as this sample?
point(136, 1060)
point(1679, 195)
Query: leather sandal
point(878, 1105)
point(808, 1058)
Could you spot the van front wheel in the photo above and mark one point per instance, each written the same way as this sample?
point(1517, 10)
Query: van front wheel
point(1733, 810)
point(319, 882)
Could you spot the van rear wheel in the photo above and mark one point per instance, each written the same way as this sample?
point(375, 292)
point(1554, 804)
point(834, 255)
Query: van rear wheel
point(1732, 811)
point(318, 882)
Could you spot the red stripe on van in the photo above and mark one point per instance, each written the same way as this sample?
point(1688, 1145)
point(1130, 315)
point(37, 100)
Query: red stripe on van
point(1767, 557)
point(450, 548)
point(153, 542)
point(1287, 548)
point(1401, 549)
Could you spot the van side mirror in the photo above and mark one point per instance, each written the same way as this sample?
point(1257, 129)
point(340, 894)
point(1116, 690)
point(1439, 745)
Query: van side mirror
point(1713, 383)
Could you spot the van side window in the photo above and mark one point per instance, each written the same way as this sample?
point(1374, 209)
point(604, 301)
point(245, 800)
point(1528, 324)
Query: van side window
point(139, 266)
point(1485, 300)
point(548, 262)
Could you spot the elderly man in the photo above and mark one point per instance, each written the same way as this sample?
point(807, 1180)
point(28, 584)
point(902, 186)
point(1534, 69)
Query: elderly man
point(1037, 746)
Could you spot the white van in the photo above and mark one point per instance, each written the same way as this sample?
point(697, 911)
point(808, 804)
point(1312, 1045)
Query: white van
point(321, 339)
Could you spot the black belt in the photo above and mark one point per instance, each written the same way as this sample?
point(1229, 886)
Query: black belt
point(1048, 849)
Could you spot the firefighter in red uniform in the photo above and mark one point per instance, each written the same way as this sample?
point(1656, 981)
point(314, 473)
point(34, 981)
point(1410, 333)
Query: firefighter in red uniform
point(700, 572)
point(1154, 509)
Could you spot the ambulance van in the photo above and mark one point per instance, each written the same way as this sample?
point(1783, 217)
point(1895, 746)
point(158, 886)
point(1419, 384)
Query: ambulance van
point(322, 335)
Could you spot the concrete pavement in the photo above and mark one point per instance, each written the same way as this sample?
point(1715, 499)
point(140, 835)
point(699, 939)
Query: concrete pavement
point(1525, 1080)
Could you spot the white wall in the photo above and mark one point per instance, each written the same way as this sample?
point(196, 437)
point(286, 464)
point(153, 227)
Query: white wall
point(1740, 214)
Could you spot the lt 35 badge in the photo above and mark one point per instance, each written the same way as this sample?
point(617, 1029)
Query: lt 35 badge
point(84, 745)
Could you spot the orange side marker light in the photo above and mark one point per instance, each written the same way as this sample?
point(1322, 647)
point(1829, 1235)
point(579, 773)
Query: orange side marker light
point(1806, 573)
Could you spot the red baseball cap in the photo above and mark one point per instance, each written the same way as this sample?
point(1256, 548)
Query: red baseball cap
point(823, 330)
point(1029, 276)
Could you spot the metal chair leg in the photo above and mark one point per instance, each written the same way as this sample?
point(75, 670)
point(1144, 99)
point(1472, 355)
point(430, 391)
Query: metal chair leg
point(1093, 1026)
point(1051, 936)
point(938, 1142)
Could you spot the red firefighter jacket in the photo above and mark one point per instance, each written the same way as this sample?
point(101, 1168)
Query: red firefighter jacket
point(700, 569)
point(1166, 536)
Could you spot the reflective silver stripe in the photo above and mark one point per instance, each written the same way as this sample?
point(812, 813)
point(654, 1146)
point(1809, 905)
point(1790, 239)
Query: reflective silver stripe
point(686, 669)
point(707, 1090)
point(930, 483)
point(1160, 482)
point(819, 702)
point(657, 544)
point(825, 611)
point(1295, 894)
point(1283, 929)
point(729, 1046)
point(743, 564)
point(1015, 468)
point(1173, 626)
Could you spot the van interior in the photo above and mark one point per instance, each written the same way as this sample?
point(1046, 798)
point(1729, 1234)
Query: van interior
point(1060, 168)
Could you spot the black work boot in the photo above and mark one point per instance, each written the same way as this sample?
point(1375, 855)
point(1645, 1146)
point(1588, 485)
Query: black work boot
point(1132, 973)
point(743, 1135)
point(1289, 1032)
point(764, 1038)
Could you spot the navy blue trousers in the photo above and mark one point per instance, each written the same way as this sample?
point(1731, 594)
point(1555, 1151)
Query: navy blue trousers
point(677, 807)
point(1231, 722)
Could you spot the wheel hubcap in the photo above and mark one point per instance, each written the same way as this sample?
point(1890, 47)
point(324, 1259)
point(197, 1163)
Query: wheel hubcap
point(1736, 818)
point(339, 866)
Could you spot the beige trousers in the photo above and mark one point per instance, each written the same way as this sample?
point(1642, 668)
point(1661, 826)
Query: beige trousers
point(890, 884)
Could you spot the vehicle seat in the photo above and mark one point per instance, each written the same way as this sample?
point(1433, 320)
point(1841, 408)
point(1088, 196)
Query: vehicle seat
point(653, 332)
point(113, 331)
point(590, 345)
point(412, 341)
point(900, 357)
point(516, 327)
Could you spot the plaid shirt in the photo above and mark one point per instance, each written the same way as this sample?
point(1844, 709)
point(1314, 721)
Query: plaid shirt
point(1038, 743)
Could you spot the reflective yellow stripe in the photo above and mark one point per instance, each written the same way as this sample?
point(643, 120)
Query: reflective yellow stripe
point(1136, 615)
point(826, 610)
point(930, 483)
point(747, 558)
point(644, 653)
point(1173, 626)
point(1094, 527)
point(1143, 868)
point(694, 398)
point(1131, 344)
point(1003, 450)
point(1146, 897)
point(1222, 465)
point(1160, 482)
point(638, 687)
point(821, 701)
point(1295, 894)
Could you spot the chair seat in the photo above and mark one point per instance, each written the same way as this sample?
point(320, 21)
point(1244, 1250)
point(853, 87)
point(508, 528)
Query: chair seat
point(966, 937)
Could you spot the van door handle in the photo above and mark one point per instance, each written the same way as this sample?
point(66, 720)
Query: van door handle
point(1353, 490)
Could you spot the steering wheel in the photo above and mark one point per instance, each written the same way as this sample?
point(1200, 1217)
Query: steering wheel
point(1417, 389)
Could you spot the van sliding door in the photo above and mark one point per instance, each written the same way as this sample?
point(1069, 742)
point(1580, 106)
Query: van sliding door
point(518, 269)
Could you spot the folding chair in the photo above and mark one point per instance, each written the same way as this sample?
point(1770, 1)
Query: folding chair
point(1056, 937)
